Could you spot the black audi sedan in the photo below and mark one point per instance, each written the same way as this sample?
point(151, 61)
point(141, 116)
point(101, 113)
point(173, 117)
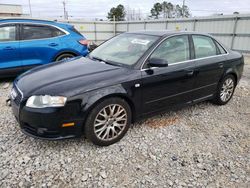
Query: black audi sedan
point(129, 77)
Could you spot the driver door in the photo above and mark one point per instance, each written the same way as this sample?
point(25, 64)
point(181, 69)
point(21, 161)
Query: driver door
point(164, 87)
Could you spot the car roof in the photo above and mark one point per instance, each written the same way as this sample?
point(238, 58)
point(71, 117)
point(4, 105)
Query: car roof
point(31, 20)
point(162, 33)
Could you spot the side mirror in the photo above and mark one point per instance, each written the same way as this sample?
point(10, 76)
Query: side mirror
point(157, 62)
point(92, 46)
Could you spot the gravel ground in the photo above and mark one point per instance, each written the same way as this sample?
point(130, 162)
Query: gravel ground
point(198, 146)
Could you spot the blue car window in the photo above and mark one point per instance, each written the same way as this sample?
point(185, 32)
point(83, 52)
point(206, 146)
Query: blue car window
point(7, 33)
point(39, 32)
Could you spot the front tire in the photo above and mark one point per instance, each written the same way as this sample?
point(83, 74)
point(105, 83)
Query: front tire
point(108, 121)
point(64, 56)
point(225, 90)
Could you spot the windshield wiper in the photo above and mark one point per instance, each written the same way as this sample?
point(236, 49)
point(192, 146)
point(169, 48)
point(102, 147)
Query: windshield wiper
point(96, 58)
point(105, 61)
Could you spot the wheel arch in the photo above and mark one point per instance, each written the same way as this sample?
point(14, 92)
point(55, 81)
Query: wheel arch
point(90, 106)
point(234, 75)
point(65, 52)
point(117, 95)
point(231, 72)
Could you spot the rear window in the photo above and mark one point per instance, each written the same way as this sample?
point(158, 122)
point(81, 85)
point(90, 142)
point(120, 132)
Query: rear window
point(75, 30)
point(30, 32)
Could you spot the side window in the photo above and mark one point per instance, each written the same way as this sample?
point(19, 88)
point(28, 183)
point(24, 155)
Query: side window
point(39, 32)
point(56, 32)
point(221, 49)
point(7, 33)
point(174, 49)
point(204, 46)
point(75, 30)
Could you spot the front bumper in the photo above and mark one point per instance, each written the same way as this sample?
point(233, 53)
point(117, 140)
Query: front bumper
point(47, 123)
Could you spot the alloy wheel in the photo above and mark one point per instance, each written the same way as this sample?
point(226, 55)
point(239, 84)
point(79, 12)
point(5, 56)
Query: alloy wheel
point(227, 89)
point(110, 122)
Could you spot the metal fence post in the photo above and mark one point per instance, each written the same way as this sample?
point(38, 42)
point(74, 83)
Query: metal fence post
point(114, 25)
point(145, 25)
point(127, 26)
point(166, 26)
point(194, 25)
point(234, 31)
point(95, 31)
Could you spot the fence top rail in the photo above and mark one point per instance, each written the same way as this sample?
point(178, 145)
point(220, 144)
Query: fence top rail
point(192, 19)
point(56, 20)
point(207, 18)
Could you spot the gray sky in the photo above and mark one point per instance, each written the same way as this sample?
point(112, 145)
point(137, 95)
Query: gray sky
point(90, 9)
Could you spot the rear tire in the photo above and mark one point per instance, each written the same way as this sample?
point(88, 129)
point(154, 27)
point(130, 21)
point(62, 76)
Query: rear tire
point(225, 90)
point(108, 121)
point(64, 56)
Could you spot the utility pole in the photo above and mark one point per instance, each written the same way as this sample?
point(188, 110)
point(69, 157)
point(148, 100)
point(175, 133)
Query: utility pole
point(139, 16)
point(127, 13)
point(64, 10)
point(183, 9)
point(164, 10)
point(30, 9)
point(133, 14)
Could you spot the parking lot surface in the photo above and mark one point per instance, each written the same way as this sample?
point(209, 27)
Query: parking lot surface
point(198, 146)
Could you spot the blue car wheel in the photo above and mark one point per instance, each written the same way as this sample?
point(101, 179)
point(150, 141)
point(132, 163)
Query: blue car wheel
point(64, 56)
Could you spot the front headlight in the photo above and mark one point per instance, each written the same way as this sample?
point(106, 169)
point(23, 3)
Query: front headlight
point(46, 101)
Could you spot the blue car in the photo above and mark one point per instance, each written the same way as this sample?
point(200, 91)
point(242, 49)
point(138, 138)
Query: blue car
point(25, 43)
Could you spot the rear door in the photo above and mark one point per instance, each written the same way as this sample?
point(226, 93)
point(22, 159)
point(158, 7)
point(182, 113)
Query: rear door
point(39, 44)
point(209, 61)
point(9, 47)
point(165, 87)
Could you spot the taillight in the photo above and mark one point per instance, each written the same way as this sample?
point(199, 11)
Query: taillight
point(84, 42)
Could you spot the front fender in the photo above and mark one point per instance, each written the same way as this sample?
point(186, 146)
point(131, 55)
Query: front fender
point(93, 97)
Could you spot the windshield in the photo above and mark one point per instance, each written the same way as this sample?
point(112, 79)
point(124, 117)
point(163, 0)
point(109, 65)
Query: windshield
point(124, 49)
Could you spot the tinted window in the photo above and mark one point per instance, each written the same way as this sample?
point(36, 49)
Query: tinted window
point(56, 32)
point(221, 49)
point(39, 32)
point(204, 46)
point(7, 33)
point(174, 49)
point(75, 30)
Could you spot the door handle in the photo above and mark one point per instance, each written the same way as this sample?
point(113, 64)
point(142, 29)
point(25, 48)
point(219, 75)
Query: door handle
point(9, 48)
point(190, 73)
point(53, 44)
point(221, 65)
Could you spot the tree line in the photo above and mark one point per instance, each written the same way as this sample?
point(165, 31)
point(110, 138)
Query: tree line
point(159, 10)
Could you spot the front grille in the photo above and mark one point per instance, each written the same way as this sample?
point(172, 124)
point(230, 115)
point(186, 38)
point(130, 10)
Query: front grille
point(19, 96)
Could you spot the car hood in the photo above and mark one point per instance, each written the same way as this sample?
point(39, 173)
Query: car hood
point(69, 78)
